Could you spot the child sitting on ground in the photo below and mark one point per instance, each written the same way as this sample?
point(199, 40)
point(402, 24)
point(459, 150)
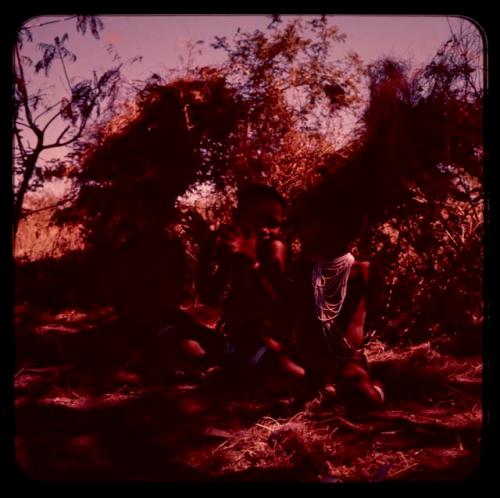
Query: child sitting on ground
point(246, 277)
point(331, 297)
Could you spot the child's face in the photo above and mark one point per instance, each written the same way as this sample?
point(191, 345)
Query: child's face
point(265, 219)
point(311, 235)
point(321, 240)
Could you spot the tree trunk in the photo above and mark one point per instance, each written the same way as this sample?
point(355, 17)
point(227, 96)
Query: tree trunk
point(29, 169)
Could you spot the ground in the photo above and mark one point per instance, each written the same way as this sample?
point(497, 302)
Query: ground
point(84, 410)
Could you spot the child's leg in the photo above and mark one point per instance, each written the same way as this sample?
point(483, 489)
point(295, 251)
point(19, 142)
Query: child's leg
point(353, 374)
point(288, 365)
point(183, 343)
point(192, 348)
point(355, 332)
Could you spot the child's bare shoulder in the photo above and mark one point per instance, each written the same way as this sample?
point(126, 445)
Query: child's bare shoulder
point(361, 268)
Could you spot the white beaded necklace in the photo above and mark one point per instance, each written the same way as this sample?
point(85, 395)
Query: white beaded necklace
point(329, 279)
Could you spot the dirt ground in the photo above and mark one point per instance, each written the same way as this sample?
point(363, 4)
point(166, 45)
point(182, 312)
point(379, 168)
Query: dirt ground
point(86, 410)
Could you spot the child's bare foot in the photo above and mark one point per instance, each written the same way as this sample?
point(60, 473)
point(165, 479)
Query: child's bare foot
point(292, 368)
point(328, 396)
point(329, 391)
point(361, 392)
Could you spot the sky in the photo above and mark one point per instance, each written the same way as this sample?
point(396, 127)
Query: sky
point(161, 41)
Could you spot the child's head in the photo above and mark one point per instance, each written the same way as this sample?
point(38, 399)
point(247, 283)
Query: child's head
point(327, 221)
point(260, 210)
point(311, 227)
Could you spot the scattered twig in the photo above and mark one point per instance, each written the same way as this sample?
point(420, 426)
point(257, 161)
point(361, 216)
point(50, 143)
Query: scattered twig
point(343, 422)
point(214, 432)
point(271, 419)
point(119, 390)
point(401, 454)
point(224, 443)
point(297, 416)
point(332, 432)
point(456, 390)
point(264, 427)
point(400, 471)
point(19, 373)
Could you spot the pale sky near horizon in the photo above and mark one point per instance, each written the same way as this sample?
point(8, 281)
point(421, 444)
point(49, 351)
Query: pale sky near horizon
point(161, 41)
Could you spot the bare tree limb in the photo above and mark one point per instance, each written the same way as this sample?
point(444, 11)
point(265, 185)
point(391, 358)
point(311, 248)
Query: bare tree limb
point(59, 102)
point(29, 168)
point(62, 134)
point(51, 120)
point(52, 206)
point(19, 122)
point(69, 141)
point(24, 154)
point(50, 22)
point(58, 45)
point(24, 96)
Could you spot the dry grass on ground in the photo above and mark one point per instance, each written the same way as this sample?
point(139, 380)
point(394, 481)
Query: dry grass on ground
point(79, 416)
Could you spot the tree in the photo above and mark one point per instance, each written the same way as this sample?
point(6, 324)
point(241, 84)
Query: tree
point(37, 117)
point(420, 129)
point(132, 170)
point(294, 91)
point(255, 118)
point(415, 170)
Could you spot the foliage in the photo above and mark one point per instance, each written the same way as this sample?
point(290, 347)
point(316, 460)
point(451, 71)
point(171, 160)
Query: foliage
point(131, 177)
point(411, 173)
point(293, 89)
point(37, 119)
point(416, 173)
point(38, 237)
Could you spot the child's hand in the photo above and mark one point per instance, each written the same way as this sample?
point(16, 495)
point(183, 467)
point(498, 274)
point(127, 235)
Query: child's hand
point(272, 344)
point(246, 246)
point(236, 242)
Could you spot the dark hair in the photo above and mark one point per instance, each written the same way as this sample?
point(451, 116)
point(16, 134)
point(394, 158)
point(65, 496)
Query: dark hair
point(340, 211)
point(258, 192)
